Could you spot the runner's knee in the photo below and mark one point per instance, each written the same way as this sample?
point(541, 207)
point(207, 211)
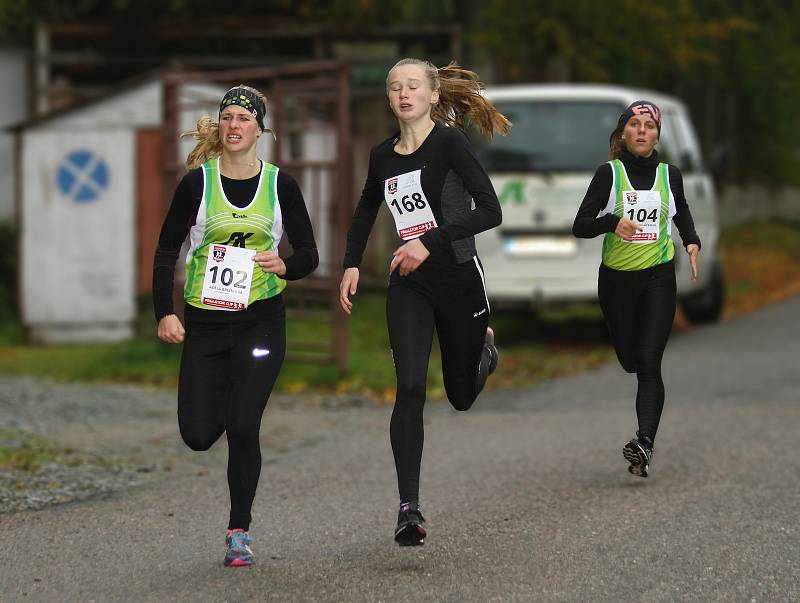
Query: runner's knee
point(461, 396)
point(410, 388)
point(199, 441)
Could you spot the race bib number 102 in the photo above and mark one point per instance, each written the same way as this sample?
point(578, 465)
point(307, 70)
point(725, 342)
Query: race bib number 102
point(410, 208)
point(229, 274)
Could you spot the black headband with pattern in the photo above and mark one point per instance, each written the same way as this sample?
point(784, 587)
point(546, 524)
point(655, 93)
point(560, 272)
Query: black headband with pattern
point(246, 99)
point(641, 107)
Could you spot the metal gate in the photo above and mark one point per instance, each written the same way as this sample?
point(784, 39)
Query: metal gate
point(309, 110)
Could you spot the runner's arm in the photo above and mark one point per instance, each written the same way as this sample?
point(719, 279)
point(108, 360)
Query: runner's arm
point(364, 216)
point(683, 216)
point(180, 217)
point(487, 213)
point(588, 224)
point(299, 230)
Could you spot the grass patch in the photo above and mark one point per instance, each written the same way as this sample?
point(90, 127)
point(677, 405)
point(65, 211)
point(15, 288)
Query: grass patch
point(782, 238)
point(28, 452)
point(762, 265)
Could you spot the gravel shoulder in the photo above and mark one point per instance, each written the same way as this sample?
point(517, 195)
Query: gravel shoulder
point(94, 440)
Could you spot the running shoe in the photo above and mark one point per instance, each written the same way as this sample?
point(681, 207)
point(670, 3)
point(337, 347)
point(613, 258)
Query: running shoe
point(238, 553)
point(638, 452)
point(493, 354)
point(410, 530)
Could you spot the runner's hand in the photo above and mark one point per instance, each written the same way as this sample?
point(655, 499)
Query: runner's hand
point(626, 229)
point(693, 250)
point(408, 257)
point(270, 262)
point(170, 329)
point(348, 287)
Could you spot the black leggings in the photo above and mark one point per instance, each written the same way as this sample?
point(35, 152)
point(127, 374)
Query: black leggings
point(639, 308)
point(229, 365)
point(454, 302)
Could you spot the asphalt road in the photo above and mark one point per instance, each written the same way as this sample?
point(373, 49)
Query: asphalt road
point(527, 498)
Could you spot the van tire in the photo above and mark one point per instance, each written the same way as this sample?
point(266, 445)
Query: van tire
point(706, 306)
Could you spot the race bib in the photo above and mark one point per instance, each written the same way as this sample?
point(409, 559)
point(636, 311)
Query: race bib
point(229, 274)
point(410, 209)
point(643, 208)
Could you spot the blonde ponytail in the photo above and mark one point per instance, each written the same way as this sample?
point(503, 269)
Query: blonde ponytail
point(461, 101)
point(206, 132)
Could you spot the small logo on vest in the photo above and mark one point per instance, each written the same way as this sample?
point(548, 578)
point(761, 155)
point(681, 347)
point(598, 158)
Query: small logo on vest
point(235, 215)
point(476, 314)
point(218, 253)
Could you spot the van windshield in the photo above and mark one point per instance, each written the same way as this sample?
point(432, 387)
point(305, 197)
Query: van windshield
point(550, 136)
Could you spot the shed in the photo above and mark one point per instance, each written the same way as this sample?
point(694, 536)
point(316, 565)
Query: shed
point(90, 206)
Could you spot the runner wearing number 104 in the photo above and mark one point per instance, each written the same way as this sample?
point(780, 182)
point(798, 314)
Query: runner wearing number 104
point(440, 197)
point(235, 209)
point(633, 200)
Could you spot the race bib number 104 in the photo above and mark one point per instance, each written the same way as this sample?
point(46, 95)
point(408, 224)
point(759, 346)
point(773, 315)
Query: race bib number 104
point(410, 208)
point(229, 274)
point(643, 208)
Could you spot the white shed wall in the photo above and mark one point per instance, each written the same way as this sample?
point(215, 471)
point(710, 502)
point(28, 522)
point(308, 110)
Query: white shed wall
point(78, 235)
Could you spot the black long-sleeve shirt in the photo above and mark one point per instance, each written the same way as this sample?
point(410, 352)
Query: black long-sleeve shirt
point(183, 212)
point(641, 174)
point(452, 180)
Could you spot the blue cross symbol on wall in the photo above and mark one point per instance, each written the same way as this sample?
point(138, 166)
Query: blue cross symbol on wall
point(82, 176)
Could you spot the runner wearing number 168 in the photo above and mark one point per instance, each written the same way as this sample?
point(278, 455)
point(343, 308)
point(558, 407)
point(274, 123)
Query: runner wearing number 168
point(633, 201)
point(440, 197)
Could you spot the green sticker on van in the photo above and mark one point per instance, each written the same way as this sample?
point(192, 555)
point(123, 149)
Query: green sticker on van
point(513, 191)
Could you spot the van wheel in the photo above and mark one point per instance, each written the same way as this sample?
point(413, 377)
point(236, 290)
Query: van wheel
point(706, 306)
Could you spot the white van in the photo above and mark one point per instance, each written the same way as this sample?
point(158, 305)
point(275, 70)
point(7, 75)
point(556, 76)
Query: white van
point(541, 171)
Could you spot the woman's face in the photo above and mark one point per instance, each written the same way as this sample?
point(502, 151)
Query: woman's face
point(238, 129)
point(640, 135)
point(410, 93)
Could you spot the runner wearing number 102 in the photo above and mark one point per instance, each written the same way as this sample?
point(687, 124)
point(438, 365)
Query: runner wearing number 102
point(440, 197)
point(235, 209)
point(633, 200)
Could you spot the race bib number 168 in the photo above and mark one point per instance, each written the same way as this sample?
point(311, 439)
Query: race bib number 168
point(410, 208)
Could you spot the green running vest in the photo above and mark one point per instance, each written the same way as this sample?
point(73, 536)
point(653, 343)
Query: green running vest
point(622, 255)
point(257, 226)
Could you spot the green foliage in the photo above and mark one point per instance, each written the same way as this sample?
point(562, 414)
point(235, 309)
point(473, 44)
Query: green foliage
point(25, 13)
point(735, 63)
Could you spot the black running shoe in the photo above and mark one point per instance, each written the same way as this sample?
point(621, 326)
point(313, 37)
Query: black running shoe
point(493, 354)
point(410, 530)
point(638, 452)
